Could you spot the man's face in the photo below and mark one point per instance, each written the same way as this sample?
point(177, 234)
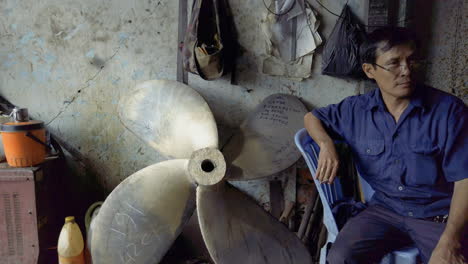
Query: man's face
point(392, 71)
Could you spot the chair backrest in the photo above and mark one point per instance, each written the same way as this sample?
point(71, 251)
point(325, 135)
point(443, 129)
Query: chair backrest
point(329, 193)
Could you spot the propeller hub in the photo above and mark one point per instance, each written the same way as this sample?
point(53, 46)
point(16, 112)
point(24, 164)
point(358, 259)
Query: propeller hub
point(207, 166)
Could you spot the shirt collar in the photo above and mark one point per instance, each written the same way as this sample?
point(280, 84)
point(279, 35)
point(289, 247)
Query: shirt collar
point(375, 99)
point(417, 98)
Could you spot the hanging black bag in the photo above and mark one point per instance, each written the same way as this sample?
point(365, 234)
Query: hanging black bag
point(340, 56)
point(204, 52)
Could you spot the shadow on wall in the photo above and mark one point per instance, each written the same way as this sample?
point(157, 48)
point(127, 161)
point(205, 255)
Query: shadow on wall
point(421, 21)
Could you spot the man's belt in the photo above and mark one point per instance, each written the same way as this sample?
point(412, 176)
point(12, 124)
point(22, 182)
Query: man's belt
point(437, 218)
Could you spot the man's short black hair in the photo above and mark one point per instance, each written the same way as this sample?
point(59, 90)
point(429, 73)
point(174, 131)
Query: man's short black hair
point(390, 36)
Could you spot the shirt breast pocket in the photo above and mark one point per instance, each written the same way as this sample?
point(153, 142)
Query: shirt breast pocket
point(422, 167)
point(369, 156)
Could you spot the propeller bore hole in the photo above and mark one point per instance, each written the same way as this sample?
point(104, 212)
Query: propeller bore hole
point(207, 165)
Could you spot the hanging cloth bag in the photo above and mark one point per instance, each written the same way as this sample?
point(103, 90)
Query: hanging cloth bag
point(203, 50)
point(341, 52)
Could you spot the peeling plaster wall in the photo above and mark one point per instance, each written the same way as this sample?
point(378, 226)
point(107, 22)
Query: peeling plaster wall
point(78, 57)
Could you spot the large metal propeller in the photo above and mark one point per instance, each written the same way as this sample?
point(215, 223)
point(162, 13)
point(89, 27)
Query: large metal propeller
point(237, 230)
point(145, 213)
point(264, 144)
point(170, 116)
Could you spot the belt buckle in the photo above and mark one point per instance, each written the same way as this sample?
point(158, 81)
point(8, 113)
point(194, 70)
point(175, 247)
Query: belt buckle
point(440, 218)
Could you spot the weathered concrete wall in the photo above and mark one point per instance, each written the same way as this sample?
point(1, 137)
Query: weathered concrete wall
point(78, 57)
point(443, 29)
point(84, 54)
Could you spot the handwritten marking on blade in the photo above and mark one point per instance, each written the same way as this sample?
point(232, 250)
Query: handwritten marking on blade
point(140, 212)
point(127, 216)
point(146, 239)
point(135, 253)
point(130, 259)
point(123, 234)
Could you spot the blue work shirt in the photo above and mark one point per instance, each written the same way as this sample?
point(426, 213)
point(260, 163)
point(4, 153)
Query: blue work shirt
point(411, 164)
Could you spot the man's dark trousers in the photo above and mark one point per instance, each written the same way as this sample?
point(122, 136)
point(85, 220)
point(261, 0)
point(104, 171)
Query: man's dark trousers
point(376, 231)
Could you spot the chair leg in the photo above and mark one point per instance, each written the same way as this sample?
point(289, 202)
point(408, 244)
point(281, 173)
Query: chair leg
point(388, 259)
point(323, 254)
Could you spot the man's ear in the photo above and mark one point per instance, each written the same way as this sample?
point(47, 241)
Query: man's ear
point(368, 69)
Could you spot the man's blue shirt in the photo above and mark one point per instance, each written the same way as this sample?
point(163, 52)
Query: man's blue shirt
point(411, 164)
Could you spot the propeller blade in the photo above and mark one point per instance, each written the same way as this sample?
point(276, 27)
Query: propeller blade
point(264, 145)
point(143, 215)
point(237, 230)
point(172, 117)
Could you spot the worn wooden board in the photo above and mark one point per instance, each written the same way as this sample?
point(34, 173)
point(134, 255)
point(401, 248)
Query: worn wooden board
point(182, 75)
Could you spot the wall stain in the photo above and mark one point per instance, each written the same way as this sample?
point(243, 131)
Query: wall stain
point(101, 38)
point(90, 54)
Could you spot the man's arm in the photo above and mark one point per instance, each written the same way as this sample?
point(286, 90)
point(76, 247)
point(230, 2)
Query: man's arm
point(448, 249)
point(328, 158)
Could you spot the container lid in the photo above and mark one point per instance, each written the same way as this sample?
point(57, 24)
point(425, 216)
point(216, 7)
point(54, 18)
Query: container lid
point(21, 126)
point(69, 219)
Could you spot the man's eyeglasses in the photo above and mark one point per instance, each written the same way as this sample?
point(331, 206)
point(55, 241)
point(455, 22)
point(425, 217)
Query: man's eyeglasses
point(396, 68)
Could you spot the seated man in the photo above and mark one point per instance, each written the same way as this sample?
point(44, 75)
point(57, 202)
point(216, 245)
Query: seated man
point(410, 142)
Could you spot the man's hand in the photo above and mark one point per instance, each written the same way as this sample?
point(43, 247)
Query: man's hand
point(328, 163)
point(447, 252)
point(328, 159)
point(448, 249)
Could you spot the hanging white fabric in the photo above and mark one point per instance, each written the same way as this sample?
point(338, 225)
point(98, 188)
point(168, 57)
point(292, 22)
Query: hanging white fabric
point(291, 39)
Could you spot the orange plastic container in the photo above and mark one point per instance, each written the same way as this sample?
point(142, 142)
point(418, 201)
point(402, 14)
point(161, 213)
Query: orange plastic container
point(24, 143)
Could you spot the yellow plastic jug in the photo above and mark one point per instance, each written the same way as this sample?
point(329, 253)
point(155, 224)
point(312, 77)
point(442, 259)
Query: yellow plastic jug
point(70, 244)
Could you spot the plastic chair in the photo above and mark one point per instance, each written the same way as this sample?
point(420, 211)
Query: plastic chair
point(332, 193)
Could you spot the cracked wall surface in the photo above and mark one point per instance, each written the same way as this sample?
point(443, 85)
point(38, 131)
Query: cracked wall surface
point(69, 62)
point(75, 58)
